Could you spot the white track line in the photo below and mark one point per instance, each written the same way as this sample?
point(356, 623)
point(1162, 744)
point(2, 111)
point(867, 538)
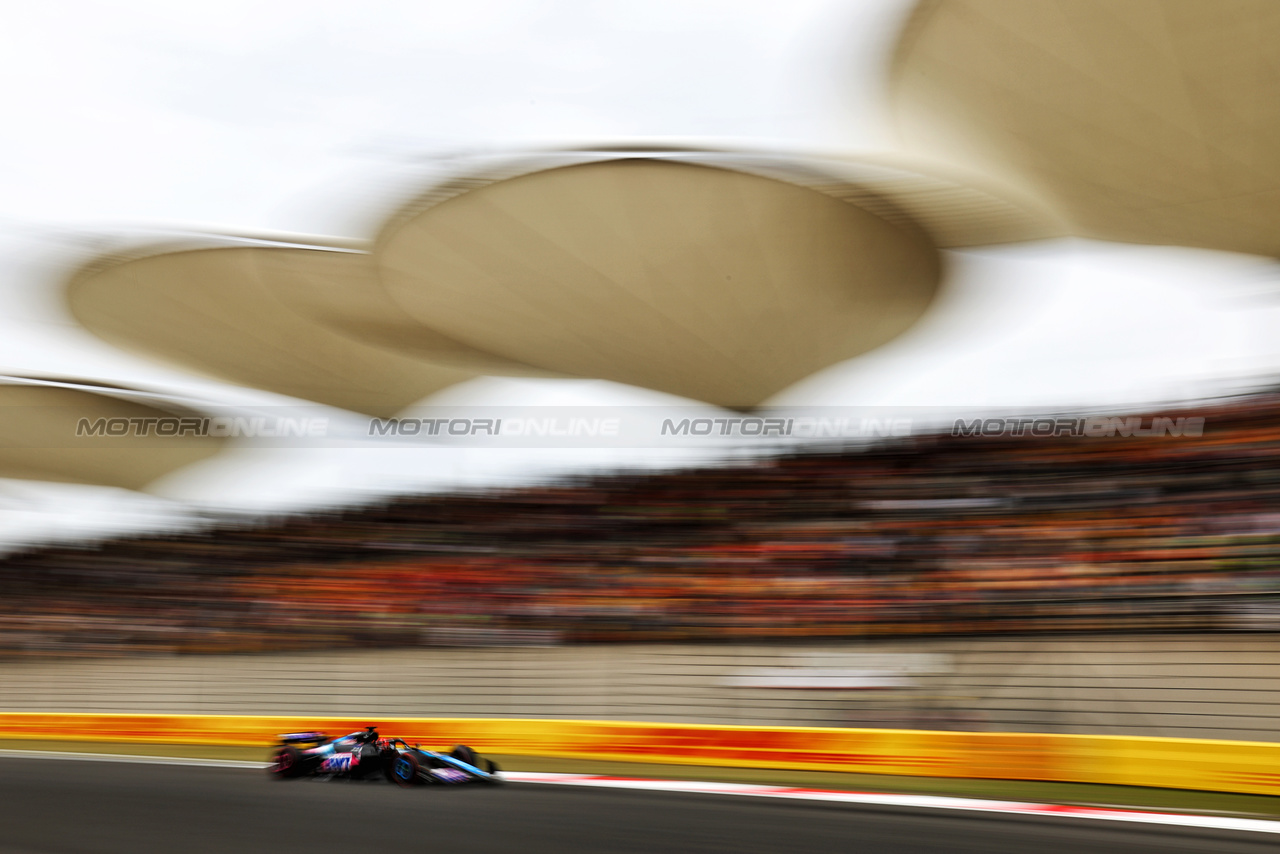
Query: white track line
point(919, 801)
point(752, 790)
point(133, 760)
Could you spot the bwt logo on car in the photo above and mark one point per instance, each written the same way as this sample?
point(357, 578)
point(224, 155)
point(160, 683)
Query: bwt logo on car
point(340, 762)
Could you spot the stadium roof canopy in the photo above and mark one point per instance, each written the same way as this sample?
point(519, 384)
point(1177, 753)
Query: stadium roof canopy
point(705, 282)
point(718, 277)
point(58, 431)
point(1145, 122)
point(308, 322)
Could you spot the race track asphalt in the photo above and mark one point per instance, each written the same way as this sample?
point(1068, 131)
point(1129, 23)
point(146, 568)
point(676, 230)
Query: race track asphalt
point(83, 807)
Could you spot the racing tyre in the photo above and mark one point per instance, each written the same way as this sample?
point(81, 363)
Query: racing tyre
point(494, 771)
point(403, 770)
point(287, 762)
point(466, 754)
point(388, 762)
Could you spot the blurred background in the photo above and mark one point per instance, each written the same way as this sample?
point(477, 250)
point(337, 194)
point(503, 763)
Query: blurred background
point(322, 244)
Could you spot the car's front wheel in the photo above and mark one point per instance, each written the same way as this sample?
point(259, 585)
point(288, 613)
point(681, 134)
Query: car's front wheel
point(404, 770)
point(466, 754)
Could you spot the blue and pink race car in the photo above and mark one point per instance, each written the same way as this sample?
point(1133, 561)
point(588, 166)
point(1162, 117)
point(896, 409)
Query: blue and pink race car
point(365, 755)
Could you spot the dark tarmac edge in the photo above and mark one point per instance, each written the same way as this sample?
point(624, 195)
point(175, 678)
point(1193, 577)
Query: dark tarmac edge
point(97, 807)
point(1167, 800)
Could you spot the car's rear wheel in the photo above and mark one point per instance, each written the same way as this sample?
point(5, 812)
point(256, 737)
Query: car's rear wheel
point(404, 770)
point(287, 762)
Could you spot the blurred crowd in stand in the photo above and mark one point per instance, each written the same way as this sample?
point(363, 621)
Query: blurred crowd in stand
point(915, 536)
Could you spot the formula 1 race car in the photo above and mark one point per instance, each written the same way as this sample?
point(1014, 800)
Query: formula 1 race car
point(414, 765)
point(364, 755)
point(305, 754)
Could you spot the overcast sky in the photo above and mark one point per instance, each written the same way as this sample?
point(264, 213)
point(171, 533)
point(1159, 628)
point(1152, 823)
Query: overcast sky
point(130, 118)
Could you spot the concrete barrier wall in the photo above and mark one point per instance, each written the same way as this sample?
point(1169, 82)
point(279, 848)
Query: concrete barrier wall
point(1216, 687)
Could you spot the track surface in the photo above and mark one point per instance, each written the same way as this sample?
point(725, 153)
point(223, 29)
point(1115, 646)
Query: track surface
point(70, 807)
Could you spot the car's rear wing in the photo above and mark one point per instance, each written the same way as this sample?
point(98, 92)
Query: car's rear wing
point(302, 737)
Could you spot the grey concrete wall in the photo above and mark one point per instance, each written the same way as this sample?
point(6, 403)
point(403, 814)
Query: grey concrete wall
point(1197, 686)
